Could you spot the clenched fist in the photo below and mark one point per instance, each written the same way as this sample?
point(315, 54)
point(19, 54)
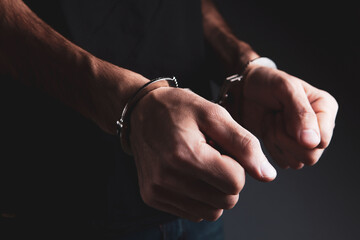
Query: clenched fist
point(178, 171)
point(294, 119)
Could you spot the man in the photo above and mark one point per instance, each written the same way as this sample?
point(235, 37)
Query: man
point(190, 153)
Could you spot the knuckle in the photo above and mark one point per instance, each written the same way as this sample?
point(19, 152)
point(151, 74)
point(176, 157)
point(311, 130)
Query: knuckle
point(148, 197)
point(325, 140)
point(187, 156)
point(305, 114)
point(334, 104)
point(183, 159)
point(297, 165)
point(311, 161)
point(312, 157)
point(230, 201)
point(179, 155)
point(249, 143)
point(288, 84)
point(213, 215)
point(216, 112)
point(236, 184)
point(194, 219)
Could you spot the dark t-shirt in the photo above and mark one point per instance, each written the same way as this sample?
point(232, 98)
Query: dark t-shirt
point(60, 170)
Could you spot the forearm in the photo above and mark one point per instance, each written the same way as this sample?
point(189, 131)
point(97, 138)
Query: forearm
point(232, 51)
point(32, 52)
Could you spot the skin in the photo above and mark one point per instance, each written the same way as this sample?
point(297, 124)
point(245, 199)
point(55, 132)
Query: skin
point(179, 172)
point(294, 119)
point(33, 53)
point(174, 131)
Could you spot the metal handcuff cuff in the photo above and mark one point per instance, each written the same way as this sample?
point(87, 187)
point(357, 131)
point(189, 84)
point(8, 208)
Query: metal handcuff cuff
point(234, 79)
point(123, 125)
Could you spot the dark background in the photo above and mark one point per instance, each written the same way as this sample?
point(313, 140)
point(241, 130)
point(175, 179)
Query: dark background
point(318, 43)
point(313, 41)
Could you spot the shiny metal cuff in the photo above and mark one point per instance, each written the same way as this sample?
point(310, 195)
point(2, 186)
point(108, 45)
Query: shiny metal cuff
point(123, 125)
point(229, 81)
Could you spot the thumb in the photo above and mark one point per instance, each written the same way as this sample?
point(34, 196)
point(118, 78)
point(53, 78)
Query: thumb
point(238, 143)
point(300, 119)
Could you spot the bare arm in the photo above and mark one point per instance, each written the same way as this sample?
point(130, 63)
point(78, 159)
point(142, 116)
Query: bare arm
point(34, 53)
point(178, 171)
point(294, 119)
point(232, 51)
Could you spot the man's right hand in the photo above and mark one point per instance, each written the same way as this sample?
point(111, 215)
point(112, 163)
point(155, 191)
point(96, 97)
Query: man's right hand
point(178, 171)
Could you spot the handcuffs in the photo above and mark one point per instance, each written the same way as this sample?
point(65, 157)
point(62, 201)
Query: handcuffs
point(123, 124)
point(235, 79)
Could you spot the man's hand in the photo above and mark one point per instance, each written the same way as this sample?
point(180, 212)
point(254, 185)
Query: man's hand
point(294, 119)
point(179, 172)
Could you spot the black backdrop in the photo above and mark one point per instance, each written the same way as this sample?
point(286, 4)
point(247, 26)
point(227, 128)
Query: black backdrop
point(316, 42)
point(319, 43)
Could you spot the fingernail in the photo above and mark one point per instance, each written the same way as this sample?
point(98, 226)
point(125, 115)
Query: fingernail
point(267, 170)
point(309, 136)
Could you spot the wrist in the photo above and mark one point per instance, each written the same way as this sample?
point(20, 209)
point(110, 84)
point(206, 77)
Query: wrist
point(123, 124)
point(227, 89)
point(111, 89)
point(244, 55)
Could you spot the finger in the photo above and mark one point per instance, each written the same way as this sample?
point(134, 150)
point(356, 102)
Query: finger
point(220, 171)
point(296, 155)
point(325, 108)
point(286, 159)
point(326, 129)
point(238, 143)
point(186, 205)
point(268, 136)
point(275, 148)
point(277, 154)
point(153, 196)
point(300, 118)
point(201, 191)
point(176, 211)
